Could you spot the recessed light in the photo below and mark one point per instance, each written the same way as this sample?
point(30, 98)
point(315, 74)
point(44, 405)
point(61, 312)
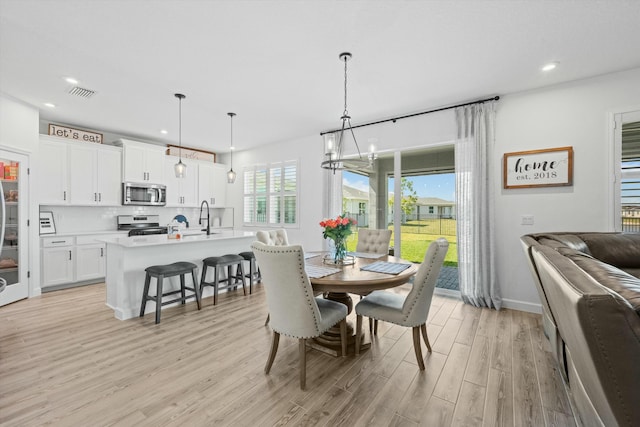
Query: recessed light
point(71, 80)
point(550, 66)
point(163, 131)
point(50, 105)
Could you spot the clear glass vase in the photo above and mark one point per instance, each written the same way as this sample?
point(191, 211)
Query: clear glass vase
point(340, 250)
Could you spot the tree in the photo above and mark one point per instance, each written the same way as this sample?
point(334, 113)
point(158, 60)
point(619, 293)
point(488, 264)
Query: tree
point(409, 197)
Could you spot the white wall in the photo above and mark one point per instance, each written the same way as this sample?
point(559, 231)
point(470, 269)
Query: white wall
point(574, 114)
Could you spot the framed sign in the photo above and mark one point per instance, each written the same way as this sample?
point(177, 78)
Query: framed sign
point(47, 226)
point(551, 167)
point(191, 153)
point(75, 134)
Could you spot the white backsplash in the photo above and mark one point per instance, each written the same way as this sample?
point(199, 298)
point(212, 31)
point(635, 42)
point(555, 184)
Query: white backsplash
point(81, 219)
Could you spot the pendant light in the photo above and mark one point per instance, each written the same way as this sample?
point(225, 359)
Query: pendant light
point(231, 175)
point(334, 144)
point(180, 168)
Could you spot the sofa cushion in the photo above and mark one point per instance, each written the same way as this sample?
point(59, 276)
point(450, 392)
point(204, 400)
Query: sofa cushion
point(621, 250)
point(558, 240)
point(612, 278)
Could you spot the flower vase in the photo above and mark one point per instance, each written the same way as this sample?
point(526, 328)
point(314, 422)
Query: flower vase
point(340, 250)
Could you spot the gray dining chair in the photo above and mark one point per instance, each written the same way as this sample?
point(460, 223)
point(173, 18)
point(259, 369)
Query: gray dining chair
point(410, 311)
point(294, 310)
point(272, 238)
point(373, 241)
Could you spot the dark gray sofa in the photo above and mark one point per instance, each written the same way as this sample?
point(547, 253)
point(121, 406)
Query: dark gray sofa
point(589, 286)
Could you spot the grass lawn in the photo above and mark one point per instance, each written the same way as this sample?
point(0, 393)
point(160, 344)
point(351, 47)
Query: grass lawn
point(414, 245)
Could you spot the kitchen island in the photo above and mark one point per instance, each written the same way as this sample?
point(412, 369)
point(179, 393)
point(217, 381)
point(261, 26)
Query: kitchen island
point(127, 258)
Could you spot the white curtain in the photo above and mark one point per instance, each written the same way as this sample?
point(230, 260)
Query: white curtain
point(474, 206)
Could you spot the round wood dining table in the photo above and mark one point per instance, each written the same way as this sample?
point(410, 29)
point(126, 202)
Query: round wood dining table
point(352, 280)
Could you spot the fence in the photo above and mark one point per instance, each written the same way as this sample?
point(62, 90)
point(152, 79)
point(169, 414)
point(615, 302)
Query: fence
point(631, 220)
point(434, 224)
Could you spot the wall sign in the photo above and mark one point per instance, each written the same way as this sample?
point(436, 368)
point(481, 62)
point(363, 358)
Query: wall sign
point(538, 168)
point(191, 153)
point(75, 134)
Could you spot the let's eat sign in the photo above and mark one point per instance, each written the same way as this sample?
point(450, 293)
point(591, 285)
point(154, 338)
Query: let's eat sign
point(538, 168)
point(75, 134)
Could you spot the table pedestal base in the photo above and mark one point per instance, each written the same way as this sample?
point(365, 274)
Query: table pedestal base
point(329, 342)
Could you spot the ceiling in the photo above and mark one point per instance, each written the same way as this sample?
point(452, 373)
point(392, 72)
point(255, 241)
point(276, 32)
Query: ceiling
point(275, 63)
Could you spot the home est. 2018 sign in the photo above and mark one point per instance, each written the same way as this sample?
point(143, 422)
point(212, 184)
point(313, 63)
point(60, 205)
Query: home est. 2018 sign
point(538, 168)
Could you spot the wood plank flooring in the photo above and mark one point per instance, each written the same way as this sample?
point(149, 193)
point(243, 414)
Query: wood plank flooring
point(65, 360)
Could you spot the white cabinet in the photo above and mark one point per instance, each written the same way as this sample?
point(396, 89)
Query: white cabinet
point(94, 175)
point(52, 172)
point(142, 162)
point(57, 261)
point(73, 259)
point(212, 183)
point(181, 191)
point(90, 262)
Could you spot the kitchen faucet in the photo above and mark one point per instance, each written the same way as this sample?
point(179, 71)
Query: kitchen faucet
point(208, 229)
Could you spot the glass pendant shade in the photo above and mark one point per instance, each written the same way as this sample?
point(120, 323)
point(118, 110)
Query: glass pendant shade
point(231, 175)
point(180, 168)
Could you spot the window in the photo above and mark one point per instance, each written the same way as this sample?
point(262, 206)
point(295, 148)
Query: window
point(271, 194)
point(431, 210)
point(362, 208)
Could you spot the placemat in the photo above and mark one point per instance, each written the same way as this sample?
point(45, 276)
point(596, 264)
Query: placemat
point(366, 255)
point(386, 267)
point(316, 271)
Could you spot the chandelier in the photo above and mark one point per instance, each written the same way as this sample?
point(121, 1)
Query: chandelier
point(334, 142)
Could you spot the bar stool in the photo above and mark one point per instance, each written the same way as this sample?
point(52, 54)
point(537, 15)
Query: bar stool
point(254, 270)
point(170, 270)
point(219, 263)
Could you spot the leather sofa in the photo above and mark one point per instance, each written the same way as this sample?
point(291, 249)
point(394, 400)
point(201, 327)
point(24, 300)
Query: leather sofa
point(589, 286)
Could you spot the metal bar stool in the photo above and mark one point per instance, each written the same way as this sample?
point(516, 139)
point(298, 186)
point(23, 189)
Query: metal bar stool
point(219, 263)
point(254, 270)
point(170, 270)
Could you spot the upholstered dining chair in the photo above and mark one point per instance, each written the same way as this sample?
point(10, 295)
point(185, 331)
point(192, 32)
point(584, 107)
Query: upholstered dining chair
point(410, 311)
point(373, 241)
point(272, 238)
point(294, 310)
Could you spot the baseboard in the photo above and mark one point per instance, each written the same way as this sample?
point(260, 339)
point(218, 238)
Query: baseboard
point(447, 292)
point(522, 306)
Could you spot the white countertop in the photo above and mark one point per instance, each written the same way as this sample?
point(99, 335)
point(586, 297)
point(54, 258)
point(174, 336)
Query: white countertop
point(162, 239)
point(85, 233)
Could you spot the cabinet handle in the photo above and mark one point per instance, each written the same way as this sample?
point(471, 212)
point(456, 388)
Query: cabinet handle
point(213, 201)
point(101, 252)
point(69, 255)
point(64, 195)
point(95, 197)
point(99, 197)
point(58, 241)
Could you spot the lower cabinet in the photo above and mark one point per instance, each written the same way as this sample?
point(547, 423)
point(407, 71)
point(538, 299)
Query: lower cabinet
point(68, 260)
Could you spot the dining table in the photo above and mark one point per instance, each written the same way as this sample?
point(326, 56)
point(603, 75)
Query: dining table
point(338, 281)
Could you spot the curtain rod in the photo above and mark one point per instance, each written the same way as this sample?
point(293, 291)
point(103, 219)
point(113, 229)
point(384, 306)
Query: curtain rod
point(495, 98)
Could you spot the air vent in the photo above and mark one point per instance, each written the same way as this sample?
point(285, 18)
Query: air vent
point(81, 92)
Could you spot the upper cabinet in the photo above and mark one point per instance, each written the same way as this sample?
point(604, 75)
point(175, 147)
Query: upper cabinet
point(94, 175)
point(181, 191)
point(76, 173)
point(52, 172)
point(142, 162)
point(212, 184)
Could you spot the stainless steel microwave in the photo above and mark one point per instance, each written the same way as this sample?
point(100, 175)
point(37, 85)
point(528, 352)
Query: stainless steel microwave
point(144, 194)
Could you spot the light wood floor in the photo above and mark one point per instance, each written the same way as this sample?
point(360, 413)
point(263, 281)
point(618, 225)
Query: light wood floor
point(65, 360)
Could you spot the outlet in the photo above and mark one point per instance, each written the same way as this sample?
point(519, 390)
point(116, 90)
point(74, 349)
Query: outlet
point(527, 220)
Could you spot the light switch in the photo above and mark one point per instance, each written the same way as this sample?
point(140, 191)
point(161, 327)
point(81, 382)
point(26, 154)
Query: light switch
point(527, 220)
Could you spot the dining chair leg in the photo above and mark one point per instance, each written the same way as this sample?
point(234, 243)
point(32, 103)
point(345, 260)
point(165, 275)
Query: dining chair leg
point(370, 326)
point(266, 322)
point(358, 333)
point(375, 327)
point(303, 362)
point(423, 328)
point(272, 353)
point(416, 346)
point(343, 336)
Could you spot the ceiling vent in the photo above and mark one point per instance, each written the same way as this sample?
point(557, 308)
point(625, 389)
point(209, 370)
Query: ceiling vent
point(81, 92)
